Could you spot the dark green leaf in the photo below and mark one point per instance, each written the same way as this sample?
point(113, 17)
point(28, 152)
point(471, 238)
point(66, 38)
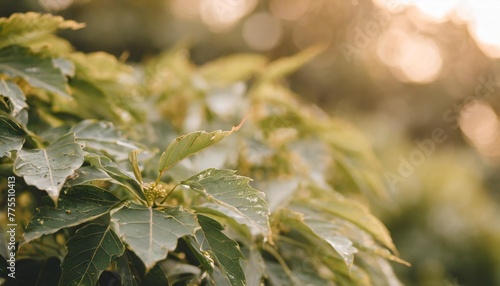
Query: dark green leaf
point(48, 168)
point(30, 272)
point(17, 61)
point(151, 233)
point(90, 251)
point(12, 135)
point(155, 277)
point(14, 94)
point(77, 205)
point(224, 250)
point(127, 270)
point(243, 203)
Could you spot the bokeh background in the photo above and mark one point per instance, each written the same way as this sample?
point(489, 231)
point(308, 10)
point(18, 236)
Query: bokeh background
point(420, 78)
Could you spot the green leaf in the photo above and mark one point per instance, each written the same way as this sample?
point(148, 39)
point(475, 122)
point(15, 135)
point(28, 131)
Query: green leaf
point(357, 214)
point(32, 28)
point(233, 68)
point(151, 233)
point(37, 272)
point(66, 66)
point(86, 175)
point(318, 246)
point(224, 250)
point(17, 61)
point(90, 251)
point(12, 135)
point(327, 231)
point(242, 202)
point(103, 138)
point(118, 175)
point(127, 270)
point(135, 165)
point(48, 168)
point(14, 94)
point(76, 205)
point(285, 66)
point(189, 144)
point(253, 266)
point(155, 277)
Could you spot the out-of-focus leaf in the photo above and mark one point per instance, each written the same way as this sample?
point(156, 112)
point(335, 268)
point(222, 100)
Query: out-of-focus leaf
point(12, 135)
point(33, 29)
point(224, 250)
point(277, 276)
point(356, 213)
point(253, 266)
point(151, 233)
point(48, 168)
point(98, 66)
point(332, 250)
point(233, 68)
point(189, 144)
point(284, 66)
point(14, 94)
point(379, 271)
point(103, 138)
point(66, 66)
point(90, 251)
point(17, 61)
point(246, 204)
point(77, 205)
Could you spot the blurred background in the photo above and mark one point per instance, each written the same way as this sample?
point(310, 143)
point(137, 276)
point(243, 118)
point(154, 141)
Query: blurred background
point(420, 78)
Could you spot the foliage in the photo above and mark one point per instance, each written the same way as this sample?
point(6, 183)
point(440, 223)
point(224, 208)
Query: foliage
point(135, 209)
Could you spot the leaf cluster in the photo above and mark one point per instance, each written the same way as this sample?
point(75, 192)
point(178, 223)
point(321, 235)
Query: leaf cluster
point(133, 198)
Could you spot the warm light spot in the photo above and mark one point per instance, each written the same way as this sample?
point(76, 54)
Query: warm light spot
point(187, 9)
point(420, 60)
point(484, 23)
point(262, 31)
point(479, 122)
point(289, 9)
point(55, 5)
point(389, 46)
point(411, 58)
point(220, 15)
point(436, 10)
point(481, 17)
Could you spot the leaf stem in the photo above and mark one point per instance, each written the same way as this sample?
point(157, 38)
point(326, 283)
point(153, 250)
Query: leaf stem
point(171, 191)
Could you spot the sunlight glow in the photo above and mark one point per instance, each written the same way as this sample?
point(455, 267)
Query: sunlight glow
point(481, 17)
point(479, 122)
point(262, 31)
point(411, 58)
point(221, 15)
